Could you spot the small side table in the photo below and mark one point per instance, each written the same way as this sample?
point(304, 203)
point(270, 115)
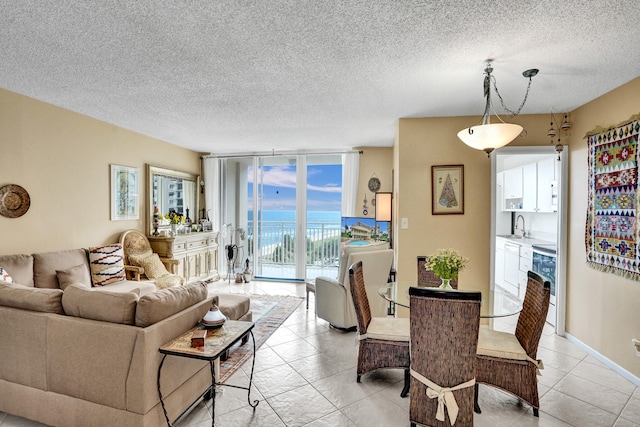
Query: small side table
point(311, 287)
point(216, 343)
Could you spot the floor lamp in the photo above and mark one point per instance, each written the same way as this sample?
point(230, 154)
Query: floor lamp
point(384, 211)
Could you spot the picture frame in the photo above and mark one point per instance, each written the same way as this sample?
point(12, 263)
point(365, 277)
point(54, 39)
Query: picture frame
point(125, 193)
point(447, 189)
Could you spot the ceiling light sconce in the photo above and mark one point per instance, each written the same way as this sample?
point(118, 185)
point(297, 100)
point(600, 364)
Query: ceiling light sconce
point(488, 136)
point(553, 131)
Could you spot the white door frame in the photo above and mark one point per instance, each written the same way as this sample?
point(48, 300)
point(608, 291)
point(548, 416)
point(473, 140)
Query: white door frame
point(562, 222)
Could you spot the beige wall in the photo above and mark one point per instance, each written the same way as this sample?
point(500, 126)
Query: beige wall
point(62, 159)
point(422, 143)
point(603, 310)
point(373, 162)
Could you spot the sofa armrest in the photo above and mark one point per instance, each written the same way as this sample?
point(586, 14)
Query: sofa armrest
point(133, 272)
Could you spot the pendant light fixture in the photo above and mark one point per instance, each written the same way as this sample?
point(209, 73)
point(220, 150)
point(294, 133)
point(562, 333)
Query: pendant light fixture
point(488, 136)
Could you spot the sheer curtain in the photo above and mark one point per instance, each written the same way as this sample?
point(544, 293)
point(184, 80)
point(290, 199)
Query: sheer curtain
point(212, 196)
point(350, 172)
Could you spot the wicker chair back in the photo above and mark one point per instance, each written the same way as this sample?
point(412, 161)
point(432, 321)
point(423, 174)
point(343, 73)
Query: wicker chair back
point(534, 313)
point(519, 377)
point(444, 339)
point(429, 278)
point(359, 296)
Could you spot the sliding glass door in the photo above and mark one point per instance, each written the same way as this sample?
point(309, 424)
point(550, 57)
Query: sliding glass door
point(282, 215)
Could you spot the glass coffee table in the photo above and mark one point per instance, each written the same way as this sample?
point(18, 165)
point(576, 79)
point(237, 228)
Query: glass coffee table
point(217, 341)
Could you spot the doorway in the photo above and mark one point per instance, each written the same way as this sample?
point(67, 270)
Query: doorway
point(528, 211)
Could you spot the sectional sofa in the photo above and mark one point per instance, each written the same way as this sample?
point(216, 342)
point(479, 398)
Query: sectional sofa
point(88, 356)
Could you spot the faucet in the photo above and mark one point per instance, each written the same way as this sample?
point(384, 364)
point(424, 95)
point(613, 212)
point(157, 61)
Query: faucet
point(523, 230)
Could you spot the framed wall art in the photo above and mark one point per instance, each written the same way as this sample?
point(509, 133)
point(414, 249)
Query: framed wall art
point(447, 189)
point(125, 187)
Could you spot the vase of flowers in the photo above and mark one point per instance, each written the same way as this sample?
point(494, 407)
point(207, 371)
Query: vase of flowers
point(174, 219)
point(446, 264)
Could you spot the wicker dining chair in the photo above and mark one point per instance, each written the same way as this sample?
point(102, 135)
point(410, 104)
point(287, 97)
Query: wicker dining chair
point(383, 341)
point(444, 335)
point(508, 361)
point(429, 278)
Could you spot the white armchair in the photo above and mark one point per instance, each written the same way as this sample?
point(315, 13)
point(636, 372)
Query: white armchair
point(333, 297)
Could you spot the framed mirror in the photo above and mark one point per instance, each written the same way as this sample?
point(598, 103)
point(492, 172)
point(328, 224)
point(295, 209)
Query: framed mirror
point(171, 190)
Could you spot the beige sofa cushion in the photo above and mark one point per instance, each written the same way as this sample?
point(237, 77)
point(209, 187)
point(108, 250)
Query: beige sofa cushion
point(159, 305)
point(19, 267)
point(234, 306)
point(99, 304)
point(28, 298)
point(45, 265)
point(139, 287)
point(78, 274)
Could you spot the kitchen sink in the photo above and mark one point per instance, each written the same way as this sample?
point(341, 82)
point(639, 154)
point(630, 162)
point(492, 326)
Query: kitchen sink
point(511, 236)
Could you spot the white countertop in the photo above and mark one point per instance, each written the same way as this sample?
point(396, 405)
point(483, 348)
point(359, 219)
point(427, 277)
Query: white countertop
point(525, 241)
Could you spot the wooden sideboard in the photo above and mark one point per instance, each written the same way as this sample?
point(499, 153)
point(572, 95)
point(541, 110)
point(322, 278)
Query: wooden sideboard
point(196, 253)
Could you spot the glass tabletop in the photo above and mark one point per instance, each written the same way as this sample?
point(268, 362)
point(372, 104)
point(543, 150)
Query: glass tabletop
point(494, 303)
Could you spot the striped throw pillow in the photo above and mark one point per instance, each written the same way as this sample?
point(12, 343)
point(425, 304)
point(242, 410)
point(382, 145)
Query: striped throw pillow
point(107, 264)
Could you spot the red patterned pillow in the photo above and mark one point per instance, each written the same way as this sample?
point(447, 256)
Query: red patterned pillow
point(107, 264)
point(4, 276)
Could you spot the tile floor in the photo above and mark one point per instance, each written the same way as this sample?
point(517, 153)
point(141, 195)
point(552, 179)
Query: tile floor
point(305, 376)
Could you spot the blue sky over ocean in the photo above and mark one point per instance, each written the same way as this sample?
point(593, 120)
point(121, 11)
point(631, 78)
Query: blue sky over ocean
point(324, 187)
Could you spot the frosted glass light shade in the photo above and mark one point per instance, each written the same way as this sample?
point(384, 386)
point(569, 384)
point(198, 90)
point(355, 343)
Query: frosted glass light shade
point(490, 136)
point(383, 206)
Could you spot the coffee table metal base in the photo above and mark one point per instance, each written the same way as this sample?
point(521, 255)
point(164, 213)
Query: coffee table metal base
point(210, 393)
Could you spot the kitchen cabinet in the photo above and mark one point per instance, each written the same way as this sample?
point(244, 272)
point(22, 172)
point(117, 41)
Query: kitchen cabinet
point(529, 188)
point(196, 253)
point(525, 264)
point(512, 189)
point(545, 181)
point(499, 262)
point(511, 268)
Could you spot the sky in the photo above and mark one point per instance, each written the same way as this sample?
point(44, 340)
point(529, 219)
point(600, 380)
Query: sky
point(324, 187)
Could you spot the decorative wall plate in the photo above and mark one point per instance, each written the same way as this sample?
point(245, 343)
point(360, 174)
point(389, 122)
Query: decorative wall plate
point(374, 184)
point(14, 201)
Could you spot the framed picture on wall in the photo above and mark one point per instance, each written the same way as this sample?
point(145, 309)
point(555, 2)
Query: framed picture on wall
point(125, 187)
point(447, 189)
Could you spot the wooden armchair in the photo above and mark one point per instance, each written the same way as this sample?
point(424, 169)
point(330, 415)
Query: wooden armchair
point(135, 244)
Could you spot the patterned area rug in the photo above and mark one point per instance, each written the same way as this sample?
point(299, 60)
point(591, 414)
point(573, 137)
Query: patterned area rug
point(269, 312)
point(612, 217)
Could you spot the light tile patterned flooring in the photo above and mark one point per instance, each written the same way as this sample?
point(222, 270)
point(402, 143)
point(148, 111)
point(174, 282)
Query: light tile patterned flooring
point(305, 376)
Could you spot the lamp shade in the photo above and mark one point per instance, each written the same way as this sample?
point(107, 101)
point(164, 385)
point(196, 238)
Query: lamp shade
point(383, 206)
point(489, 136)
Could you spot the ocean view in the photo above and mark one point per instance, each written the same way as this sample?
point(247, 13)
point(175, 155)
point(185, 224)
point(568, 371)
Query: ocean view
point(313, 217)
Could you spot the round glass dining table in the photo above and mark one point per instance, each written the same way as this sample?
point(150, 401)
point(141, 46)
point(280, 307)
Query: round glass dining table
point(494, 304)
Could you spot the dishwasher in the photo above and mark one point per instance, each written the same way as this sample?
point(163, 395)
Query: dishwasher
point(511, 267)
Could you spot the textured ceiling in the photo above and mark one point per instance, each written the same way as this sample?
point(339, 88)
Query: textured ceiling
point(291, 75)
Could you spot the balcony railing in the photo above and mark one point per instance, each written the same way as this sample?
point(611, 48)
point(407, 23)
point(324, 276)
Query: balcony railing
point(276, 248)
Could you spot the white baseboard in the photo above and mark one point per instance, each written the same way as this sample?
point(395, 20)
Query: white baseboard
point(609, 363)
